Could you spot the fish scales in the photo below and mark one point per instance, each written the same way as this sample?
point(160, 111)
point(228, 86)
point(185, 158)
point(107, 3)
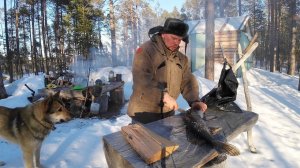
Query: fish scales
point(198, 126)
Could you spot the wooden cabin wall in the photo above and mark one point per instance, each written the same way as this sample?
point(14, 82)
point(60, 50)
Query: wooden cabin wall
point(229, 41)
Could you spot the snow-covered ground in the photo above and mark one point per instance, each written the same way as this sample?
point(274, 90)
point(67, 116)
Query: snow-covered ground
point(78, 143)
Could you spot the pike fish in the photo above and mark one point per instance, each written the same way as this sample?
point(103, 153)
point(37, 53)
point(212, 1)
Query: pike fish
point(196, 125)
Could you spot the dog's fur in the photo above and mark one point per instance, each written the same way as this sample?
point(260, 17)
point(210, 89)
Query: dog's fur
point(28, 126)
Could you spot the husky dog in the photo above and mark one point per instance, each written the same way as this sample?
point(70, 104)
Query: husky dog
point(28, 126)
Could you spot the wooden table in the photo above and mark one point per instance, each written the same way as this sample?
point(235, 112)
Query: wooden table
point(189, 154)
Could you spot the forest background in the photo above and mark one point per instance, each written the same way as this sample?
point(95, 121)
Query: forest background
point(46, 35)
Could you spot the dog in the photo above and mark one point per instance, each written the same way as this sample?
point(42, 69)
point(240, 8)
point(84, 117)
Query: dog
point(28, 126)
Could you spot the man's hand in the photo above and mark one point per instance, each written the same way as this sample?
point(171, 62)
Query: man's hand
point(199, 106)
point(170, 102)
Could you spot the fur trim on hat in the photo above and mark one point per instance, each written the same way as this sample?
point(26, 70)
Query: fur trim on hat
point(176, 27)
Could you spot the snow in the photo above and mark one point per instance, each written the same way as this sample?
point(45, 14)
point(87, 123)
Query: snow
point(78, 143)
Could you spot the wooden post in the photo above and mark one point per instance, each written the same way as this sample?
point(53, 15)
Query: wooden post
point(245, 81)
point(244, 57)
point(251, 43)
point(247, 95)
point(103, 103)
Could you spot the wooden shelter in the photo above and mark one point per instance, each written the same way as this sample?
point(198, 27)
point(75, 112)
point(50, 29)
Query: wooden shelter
point(229, 32)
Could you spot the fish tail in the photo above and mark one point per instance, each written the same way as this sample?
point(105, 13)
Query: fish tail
point(227, 148)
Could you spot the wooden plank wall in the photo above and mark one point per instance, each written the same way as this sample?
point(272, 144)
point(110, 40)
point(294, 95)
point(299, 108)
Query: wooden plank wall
point(229, 41)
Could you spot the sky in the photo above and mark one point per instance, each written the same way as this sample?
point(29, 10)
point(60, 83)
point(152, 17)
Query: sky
point(78, 143)
point(164, 4)
point(170, 4)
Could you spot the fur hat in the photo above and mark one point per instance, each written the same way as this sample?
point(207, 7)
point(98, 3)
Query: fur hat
point(176, 27)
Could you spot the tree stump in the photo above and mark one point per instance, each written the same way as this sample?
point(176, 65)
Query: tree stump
point(117, 96)
point(103, 101)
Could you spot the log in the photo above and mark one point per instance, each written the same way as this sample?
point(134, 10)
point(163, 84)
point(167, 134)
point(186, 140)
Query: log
point(117, 96)
point(149, 145)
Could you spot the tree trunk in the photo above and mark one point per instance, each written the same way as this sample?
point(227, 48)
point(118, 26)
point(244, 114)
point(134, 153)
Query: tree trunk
point(63, 66)
point(293, 29)
point(3, 93)
point(210, 40)
point(41, 47)
point(221, 8)
point(240, 7)
point(50, 59)
point(299, 83)
point(18, 60)
point(113, 33)
point(134, 26)
point(33, 41)
point(267, 39)
point(43, 11)
point(24, 39)
point(8, 52)
point(56, 35)
point(272, 37)
point(278, 19)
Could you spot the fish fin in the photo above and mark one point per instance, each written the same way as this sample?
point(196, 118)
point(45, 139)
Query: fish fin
point(217, 160)
point(214, 130)
point(227, 148)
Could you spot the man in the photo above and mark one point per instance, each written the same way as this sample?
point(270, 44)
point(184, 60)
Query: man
point(161, 73)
